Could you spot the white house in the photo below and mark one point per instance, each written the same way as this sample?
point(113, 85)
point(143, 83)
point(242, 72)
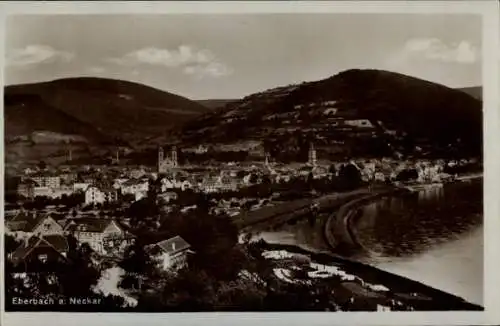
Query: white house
point(379, 176)
point(59, 192)
point(117, 183)
point(94, 195)
point(103, 236)
point(168, 196)
point(42, 192)
point(47, 180)
point(135, 187)
point(360, 123)
point(80, 186)
point(171, 253)
point(169, 184)
point(330, 111)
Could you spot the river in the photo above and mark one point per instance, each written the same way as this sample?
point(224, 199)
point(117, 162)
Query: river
point(434, 236)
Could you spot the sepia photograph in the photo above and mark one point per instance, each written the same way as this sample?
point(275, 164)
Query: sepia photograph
point(243, 162)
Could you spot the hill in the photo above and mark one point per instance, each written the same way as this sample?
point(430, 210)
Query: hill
point(116, 108)
point(26, 114)
point(354, 113)
point(476, 92)
point(215, 103)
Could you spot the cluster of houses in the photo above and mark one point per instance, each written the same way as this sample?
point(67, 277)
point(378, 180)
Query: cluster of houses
point(45, 239)
point(225, 178)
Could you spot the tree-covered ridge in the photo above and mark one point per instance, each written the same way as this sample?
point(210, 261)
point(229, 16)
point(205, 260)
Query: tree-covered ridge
point(407, 115)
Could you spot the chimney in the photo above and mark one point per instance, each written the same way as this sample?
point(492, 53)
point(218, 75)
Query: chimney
point(173, 245)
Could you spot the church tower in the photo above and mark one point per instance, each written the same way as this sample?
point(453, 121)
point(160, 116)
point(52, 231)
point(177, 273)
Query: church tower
point(312, 155)
point(174, 157)
point(160, 159)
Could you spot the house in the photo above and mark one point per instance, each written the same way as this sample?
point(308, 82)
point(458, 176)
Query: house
point(379, 176)
point(134, 186)
point(95, 195)
point(137, 173)
point(170, 253)
point(29, 171)
point(42, 192)
point(208, 185)
point(59, 192)
point(118, 182)
point(168, 196)
point(184, 185)
point(330, 111)
point(80, 186)
point(359, 123)
point(103, 236)
point(44, 179)
point(226, 183)
point(137, 188)
point(25, 224)
point(68, 178)
point(43, 249)
point(168, 184)
point(26, 188)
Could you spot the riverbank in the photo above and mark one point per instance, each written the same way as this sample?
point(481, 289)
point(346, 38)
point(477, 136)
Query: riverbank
point(353, 285)
point(338, 229)
point(433, 231)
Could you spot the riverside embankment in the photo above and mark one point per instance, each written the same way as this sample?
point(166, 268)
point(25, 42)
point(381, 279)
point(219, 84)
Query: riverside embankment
point(338, 228)
point(401, 234)
point(282, 213)
point(338, 232)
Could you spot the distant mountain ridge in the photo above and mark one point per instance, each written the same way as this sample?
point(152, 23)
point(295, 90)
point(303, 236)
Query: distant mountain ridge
point(215, 103)
point(405, 114)
point(116, 108)
point(476, 91)
point(90, 113)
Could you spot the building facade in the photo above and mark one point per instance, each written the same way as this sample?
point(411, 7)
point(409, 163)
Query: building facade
point(95, 195)
point(103, 236)
point(166, 163)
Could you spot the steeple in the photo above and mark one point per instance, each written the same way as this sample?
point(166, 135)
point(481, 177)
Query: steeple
point(312, 155)
point(174, 156)
point(160, 158)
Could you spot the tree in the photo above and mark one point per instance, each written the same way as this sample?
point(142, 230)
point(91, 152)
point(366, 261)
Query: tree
point(137, 264)
point(42, 165)
point(80, 274)
point(350, 176)
point(407, 175)
point(10, 243)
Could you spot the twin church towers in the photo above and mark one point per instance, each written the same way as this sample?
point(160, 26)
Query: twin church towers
point(168, 162)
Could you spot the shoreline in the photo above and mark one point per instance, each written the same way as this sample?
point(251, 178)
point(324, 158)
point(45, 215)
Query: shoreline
point(395, 283)
point(337, 231)
point(340, 223)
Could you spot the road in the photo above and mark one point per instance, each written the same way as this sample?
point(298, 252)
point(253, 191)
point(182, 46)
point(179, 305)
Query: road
point(284, 212)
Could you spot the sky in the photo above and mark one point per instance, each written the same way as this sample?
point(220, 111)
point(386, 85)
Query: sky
point(234, 55)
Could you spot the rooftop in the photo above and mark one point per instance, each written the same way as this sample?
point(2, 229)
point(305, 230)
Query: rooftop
point(173, 245)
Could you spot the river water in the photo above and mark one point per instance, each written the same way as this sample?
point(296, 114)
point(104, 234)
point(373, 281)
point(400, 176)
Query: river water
point(434, 236)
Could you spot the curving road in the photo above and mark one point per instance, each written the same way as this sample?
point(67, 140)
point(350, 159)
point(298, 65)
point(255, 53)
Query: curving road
point(301, 208)
point(338, 232)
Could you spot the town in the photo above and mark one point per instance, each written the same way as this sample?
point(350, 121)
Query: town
point(111, 213)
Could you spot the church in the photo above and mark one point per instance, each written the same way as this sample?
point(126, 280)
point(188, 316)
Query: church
point(167, 163)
